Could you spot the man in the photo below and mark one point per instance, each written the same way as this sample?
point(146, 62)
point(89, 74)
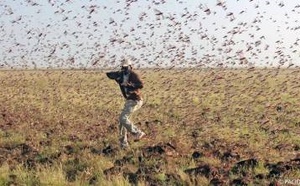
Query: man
point(130, 85)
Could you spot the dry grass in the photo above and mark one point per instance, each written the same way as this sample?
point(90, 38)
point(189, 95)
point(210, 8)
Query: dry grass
point(61, 128)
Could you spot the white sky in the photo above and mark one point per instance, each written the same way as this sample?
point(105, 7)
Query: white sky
point(154, 33)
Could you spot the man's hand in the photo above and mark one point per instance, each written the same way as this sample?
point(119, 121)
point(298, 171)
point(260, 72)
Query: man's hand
point(127, 84)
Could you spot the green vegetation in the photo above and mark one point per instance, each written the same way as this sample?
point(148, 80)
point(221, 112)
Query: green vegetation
point(203, 127)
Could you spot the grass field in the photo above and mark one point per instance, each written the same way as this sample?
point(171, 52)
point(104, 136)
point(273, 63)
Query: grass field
point(204, 127)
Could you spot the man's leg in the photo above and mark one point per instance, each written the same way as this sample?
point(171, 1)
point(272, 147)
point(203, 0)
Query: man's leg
point(125, 124)
point(123, 136)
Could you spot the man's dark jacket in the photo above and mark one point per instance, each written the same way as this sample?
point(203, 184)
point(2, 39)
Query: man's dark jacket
point(132, 91)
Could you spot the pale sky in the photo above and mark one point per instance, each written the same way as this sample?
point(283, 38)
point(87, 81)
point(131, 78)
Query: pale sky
point(153, 33)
